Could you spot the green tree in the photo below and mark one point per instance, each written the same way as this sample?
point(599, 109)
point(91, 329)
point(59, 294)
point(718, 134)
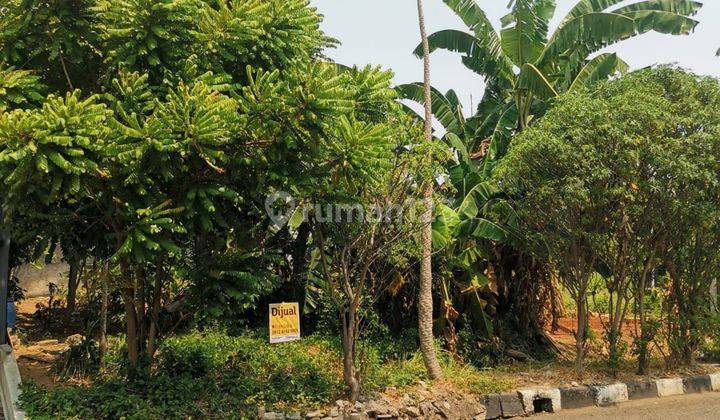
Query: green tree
point(54, 38)
point(525, 66)
point(600, 181)
point(19, 89)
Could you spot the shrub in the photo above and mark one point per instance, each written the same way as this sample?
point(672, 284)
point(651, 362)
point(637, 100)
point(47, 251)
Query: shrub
point(196, 354)
point(213, 375)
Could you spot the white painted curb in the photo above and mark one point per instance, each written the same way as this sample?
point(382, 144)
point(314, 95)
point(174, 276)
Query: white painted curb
point(610, 394)
point(715, 381)
point(670, 387)
point(529, 395)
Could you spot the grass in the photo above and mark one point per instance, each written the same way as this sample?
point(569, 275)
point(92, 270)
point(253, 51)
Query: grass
point(213, 375)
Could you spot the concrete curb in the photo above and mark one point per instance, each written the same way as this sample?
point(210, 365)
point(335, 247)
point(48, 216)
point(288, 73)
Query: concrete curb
point(526, 402)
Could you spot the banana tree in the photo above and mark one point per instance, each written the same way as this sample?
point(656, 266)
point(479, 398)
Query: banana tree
point(525, 66)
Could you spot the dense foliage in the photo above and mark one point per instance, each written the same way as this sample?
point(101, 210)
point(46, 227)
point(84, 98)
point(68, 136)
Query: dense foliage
point(195, 160)
point(171, 124)
point(525, 66)
point(621, 181)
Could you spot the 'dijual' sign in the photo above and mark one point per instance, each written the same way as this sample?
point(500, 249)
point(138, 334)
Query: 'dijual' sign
point(284, 322)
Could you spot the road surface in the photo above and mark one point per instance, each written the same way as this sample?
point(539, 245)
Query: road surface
point(683, 407)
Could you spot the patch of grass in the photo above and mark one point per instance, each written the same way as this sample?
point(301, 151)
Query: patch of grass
point(467, 378)
point(212, 374)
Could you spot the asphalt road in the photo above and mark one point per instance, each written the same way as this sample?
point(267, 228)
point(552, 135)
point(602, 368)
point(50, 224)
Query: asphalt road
point(683, 407)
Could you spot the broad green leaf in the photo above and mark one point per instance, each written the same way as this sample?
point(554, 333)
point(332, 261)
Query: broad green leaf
point(480, 228)
point(584, 7)
point(524, 41)
point(531, 80)
point(663, 22)
point(586, 34)
point(454, 141)
point(441, 107)
point(445, 221)
point(477, 198)
point(682, 7)
point(598, 69)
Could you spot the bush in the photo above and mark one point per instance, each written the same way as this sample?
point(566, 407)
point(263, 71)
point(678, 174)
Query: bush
point(196, 354)
point(204, 375)
point(213, 375)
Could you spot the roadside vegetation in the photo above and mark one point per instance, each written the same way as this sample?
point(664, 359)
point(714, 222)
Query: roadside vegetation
point(194, 161)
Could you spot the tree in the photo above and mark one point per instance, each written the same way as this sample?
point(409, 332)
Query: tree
point(548, 63)
point(19, 89)
point(366, 241)
point(168, 147)
point(525, 68)
point(55, 38)
point(600, 180)
point(425, 301)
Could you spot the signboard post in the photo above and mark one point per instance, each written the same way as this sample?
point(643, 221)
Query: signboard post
point(284, 322)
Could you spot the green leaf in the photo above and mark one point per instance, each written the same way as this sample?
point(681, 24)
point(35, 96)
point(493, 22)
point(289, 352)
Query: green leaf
point(662, 22)
point(682, 7)
point(534, 82)
point(479, 228)
point(446, 114)
point(446, 219)
point(587, 33)
point(584, 7)
point(523, 42)
point(454, 141)
point(598, 69)
point(477, 198)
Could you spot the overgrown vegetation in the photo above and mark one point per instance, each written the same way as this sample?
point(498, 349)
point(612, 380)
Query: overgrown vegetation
point(212, 374)
point(193, 161)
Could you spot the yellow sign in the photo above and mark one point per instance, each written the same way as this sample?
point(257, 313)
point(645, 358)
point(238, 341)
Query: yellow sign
point(284, 322)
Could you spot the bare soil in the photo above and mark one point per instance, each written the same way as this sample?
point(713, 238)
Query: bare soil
point(36, 354)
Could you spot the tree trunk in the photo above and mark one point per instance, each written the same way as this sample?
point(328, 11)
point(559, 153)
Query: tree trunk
point(141, 308)
point(349, 320)
point(155, 312)
point(131, 330)
point(581, 336)
point(72, 288)
point(103, 313)
point(643, 354)
point(425, 301)
point(299, 273)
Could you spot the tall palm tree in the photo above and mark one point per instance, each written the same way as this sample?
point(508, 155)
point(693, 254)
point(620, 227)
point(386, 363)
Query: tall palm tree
point(525, 66)
point(425, 301)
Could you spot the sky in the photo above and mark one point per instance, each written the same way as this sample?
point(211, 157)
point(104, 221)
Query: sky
point(385, 32)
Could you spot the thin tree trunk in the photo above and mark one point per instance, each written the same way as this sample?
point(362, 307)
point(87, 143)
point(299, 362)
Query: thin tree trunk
point(141, 308)
point(131, 330)
point(103, 313)
point(348, 319)
point(425, 301)
point(72, 288)
point(153, 331)
point(581, 337)
point(299, 273)
point(645, 336)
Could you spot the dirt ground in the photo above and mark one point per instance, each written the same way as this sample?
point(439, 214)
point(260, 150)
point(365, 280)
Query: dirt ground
point(35, 355)
point(564, 335)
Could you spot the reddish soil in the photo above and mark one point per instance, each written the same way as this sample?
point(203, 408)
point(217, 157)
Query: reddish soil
point(35, 356)
point(565, 335)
